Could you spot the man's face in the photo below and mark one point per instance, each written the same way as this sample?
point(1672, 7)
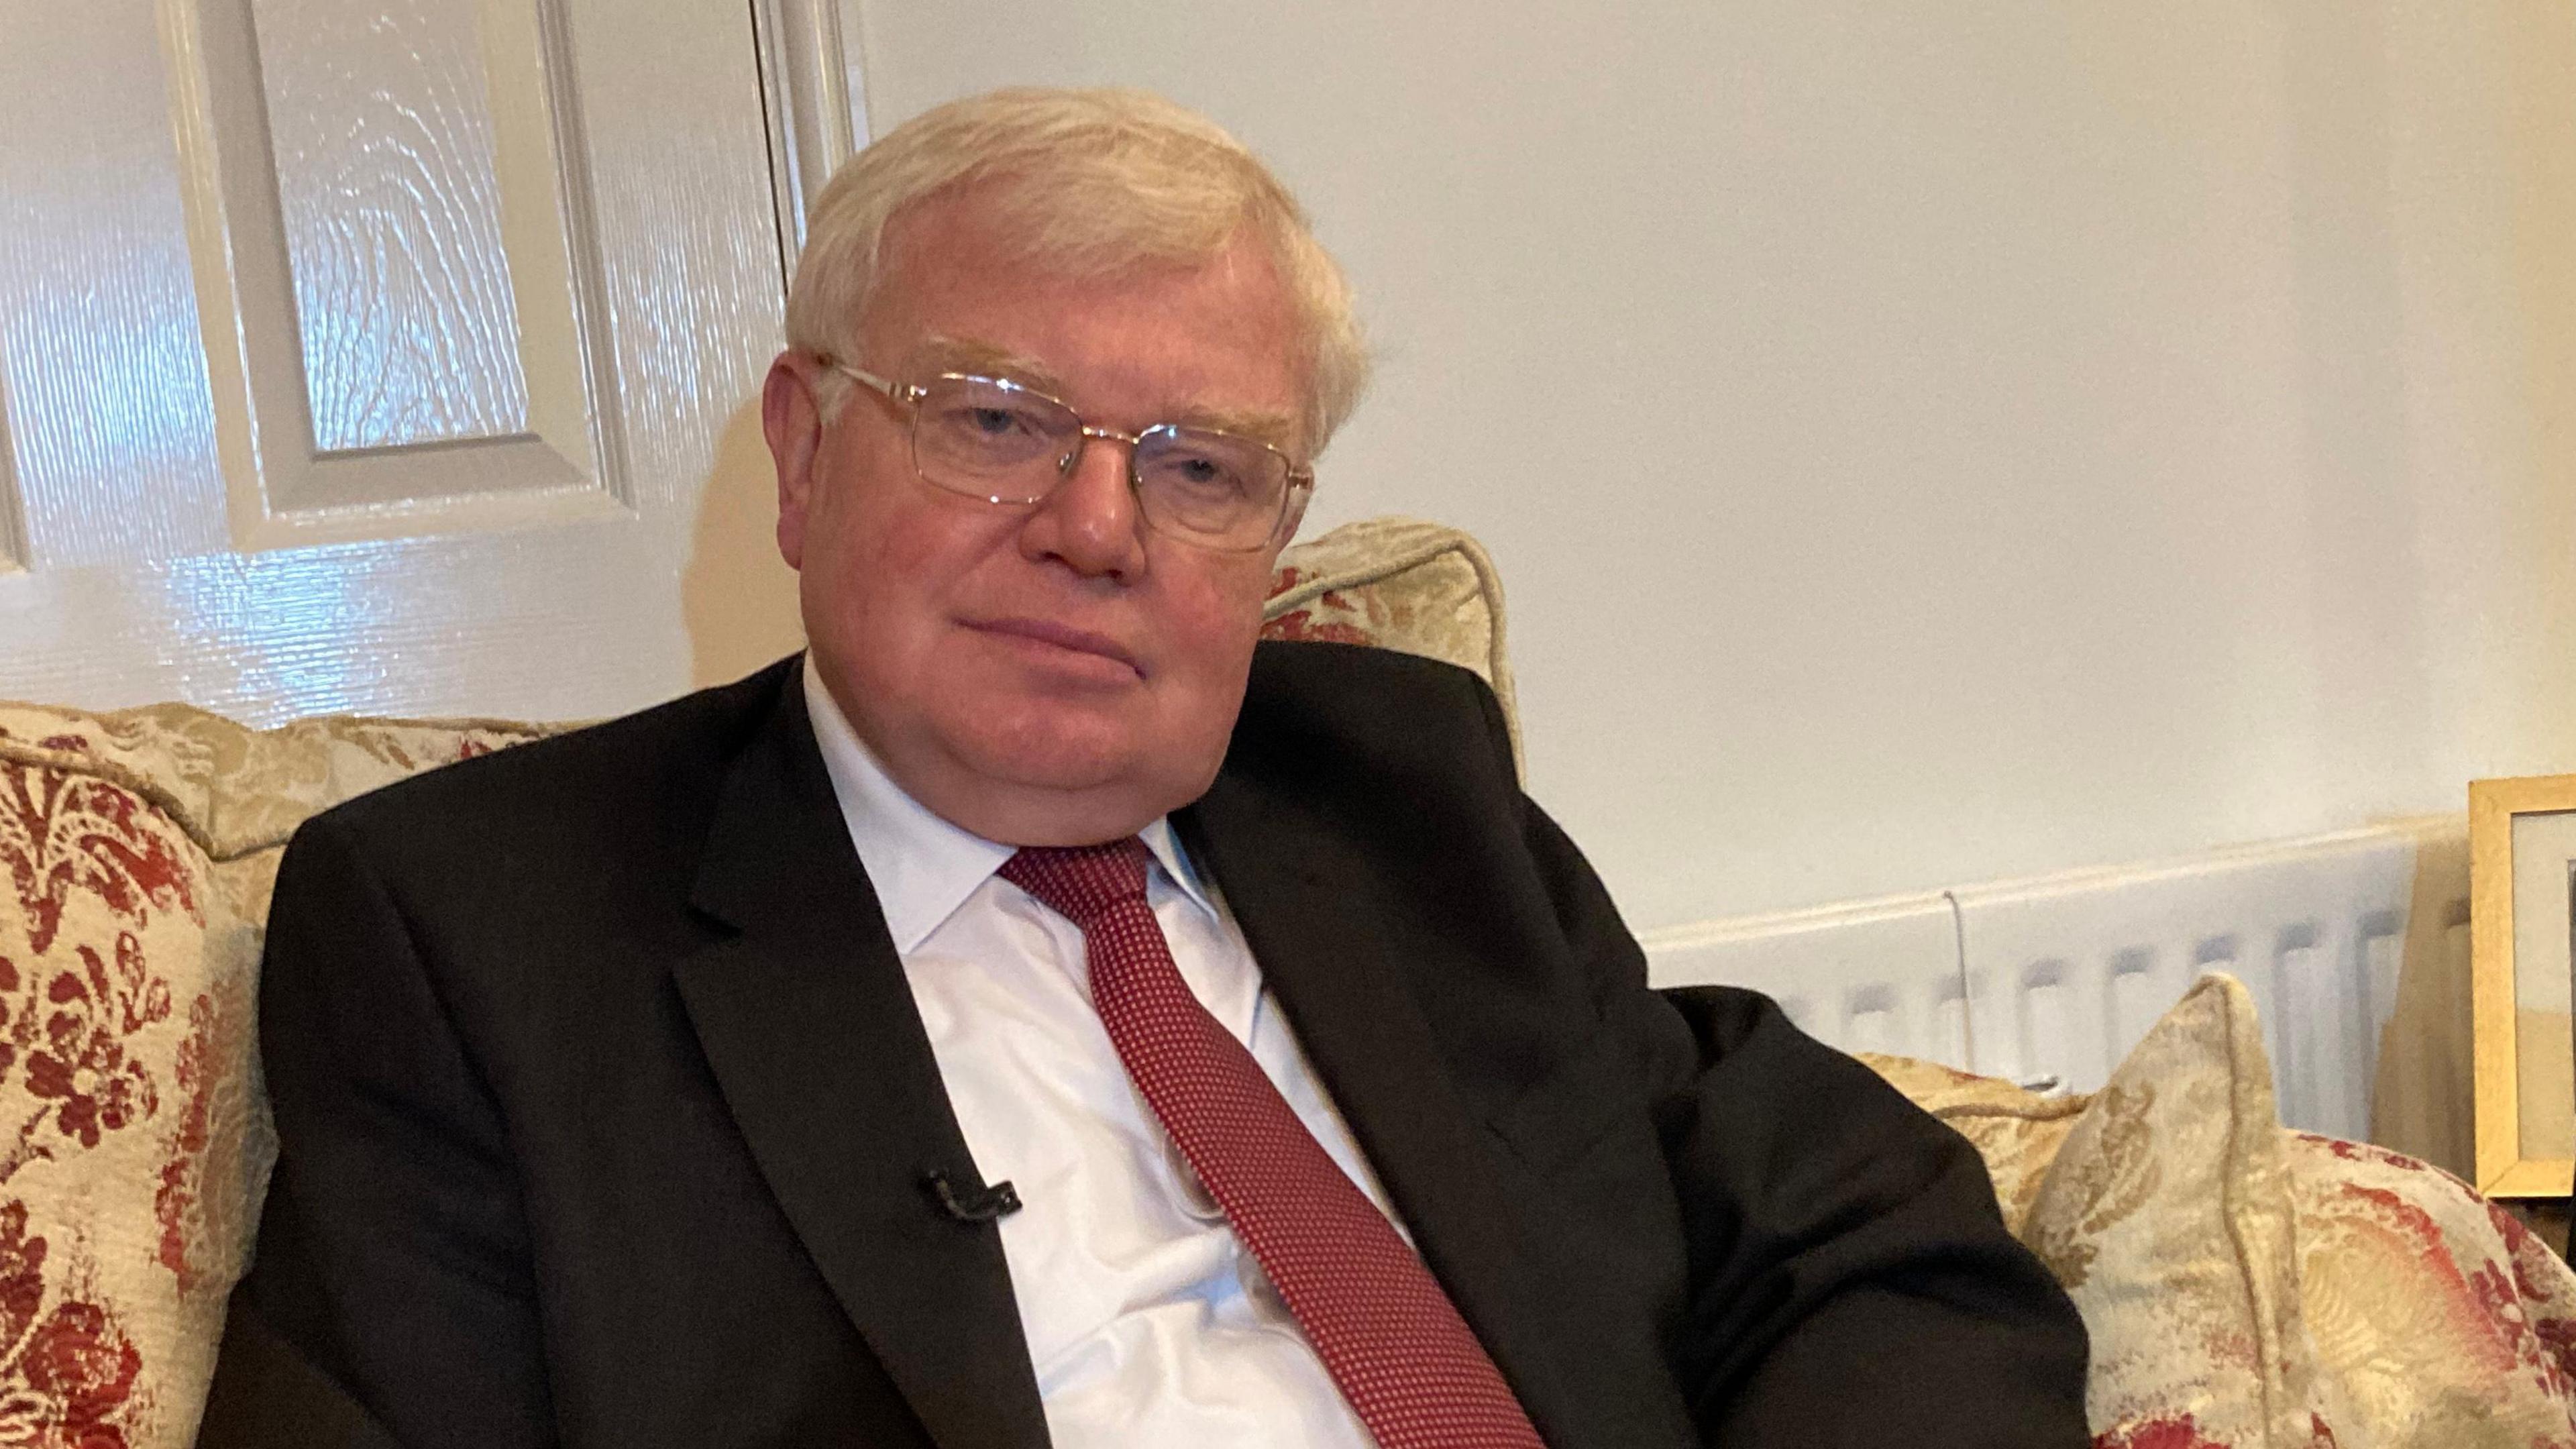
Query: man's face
point(1045, 674)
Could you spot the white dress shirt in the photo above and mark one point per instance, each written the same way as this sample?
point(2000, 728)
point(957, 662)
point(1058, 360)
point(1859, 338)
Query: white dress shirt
point(1150, 1325)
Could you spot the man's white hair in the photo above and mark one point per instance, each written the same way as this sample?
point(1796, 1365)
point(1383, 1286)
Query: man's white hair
point(1090, 183)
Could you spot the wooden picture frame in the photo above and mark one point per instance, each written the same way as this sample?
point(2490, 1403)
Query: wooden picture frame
point(2522, 974)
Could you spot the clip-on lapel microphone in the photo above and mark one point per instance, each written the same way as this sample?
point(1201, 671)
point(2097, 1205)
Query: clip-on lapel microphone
point(973, 1204)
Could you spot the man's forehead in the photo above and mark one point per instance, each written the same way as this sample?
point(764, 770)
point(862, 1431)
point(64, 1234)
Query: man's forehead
point(956, 293)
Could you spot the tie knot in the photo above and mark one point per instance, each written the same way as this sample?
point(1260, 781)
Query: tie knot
point(1078, 882)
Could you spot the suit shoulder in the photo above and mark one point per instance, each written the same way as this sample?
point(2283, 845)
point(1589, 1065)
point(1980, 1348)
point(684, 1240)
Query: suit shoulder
point(1360, 685)
point(675, 746)
point(1316, 663)
point(1383, 716)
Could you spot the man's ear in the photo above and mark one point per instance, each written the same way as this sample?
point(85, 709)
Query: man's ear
point(791, 417)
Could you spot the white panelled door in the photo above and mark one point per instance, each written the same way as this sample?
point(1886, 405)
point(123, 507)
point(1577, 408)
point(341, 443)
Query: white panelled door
point(377, 356)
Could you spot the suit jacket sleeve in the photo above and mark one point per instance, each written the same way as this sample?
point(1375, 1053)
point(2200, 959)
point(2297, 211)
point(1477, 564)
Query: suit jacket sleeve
point(393, 1256)
point(1850, 1278)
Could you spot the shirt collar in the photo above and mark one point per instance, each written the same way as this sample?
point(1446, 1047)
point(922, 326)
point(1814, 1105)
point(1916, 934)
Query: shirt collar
point(923, 867)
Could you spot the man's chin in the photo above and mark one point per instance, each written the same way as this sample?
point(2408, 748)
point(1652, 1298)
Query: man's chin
point(1069, 773)
point(1047, 743)
point(1057, 802)
point(1071, 764)
point(1072, 791)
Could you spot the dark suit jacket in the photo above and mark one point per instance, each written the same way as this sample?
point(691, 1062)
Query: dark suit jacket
point(604, 1113)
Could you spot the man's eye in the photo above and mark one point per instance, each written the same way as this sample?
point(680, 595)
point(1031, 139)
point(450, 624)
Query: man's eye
point(984, 425)
point(1202, 475)
point(992, 422)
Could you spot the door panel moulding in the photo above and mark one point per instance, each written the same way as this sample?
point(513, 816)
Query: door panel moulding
point(816, 121)
point(14, 555)
point(382, 134)
point(569, 462)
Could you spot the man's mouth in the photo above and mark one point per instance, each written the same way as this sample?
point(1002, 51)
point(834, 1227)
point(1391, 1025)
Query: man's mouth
point(1061, 636)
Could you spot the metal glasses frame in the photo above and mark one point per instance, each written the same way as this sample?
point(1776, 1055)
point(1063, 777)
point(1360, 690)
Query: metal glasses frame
point(909, 395)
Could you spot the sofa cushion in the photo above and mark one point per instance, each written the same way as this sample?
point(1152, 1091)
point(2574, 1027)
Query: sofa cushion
point(2446, 1322)
point(113, 1095)
point(2400, 1309)
point(2017, 1132)
point(1398, 583)
point(137, 851)
point(2167, 1215)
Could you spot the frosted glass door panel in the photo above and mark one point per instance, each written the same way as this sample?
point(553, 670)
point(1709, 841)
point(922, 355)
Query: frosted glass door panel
point(381, 127)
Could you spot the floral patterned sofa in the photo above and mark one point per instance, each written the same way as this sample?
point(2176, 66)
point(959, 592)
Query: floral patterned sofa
point(2245, 1286)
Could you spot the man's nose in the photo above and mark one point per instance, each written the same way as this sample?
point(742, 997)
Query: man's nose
point(1091, 520)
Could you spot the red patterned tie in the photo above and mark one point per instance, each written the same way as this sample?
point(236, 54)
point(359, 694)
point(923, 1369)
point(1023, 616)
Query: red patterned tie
point(1386, 1332)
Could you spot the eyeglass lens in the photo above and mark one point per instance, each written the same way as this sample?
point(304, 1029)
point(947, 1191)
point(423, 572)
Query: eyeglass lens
point(989, 439)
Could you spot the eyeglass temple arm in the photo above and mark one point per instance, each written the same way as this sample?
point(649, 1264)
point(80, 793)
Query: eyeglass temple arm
point(894, 391)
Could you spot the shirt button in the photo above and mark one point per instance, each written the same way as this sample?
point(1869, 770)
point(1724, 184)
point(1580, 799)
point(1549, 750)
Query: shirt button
point(1196, 1200)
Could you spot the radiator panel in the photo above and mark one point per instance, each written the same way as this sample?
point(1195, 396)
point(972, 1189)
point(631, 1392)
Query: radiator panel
point(2053, 980)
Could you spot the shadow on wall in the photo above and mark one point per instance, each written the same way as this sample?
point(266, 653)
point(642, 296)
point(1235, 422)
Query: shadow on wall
point(2423, 1095)
point(737, 596)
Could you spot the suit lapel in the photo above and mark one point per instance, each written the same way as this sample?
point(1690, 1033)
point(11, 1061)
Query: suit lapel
point(1300, 896)
point(810, 1027)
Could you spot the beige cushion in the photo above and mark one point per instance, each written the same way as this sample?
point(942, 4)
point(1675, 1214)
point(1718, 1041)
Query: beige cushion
point(2250, 1286)
point(2445, 1322)
point(2018, 1133)
point(137, 851)
point(2167, 1215)
point(112, 1089)
point(1398, 583)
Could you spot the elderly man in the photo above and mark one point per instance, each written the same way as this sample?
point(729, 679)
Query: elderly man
point(1039, 1014)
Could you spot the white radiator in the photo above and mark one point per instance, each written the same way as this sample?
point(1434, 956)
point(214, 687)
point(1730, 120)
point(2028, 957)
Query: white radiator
point(2052, 980)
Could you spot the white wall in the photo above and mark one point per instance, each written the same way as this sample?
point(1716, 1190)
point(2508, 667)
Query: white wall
point(1927, 443)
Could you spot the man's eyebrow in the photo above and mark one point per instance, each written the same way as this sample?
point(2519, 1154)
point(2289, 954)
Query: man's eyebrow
point(1259, 424)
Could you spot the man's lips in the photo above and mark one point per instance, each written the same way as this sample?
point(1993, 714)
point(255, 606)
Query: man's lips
point(1047, 631)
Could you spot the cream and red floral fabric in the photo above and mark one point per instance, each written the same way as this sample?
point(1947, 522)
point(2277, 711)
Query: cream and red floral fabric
point(2248, 1287)
point(2442, 1318)
point(1397, 583)
point(136, 855)
point(104, 1092)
